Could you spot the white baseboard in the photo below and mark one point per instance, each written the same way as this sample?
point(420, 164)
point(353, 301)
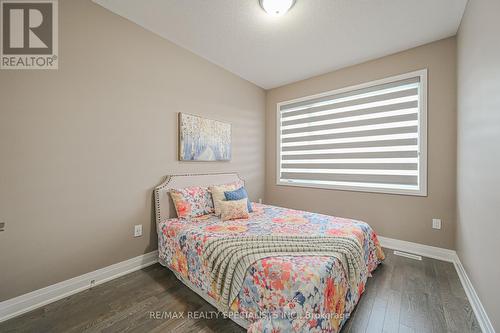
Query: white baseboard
point(420, 249)
point(16, 306)
point(35, 299)
point(477, 306)
point(450, 256)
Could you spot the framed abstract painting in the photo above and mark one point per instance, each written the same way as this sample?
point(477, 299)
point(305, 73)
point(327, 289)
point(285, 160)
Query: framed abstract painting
point(202, 139)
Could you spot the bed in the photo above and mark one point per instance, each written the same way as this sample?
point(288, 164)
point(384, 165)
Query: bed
point(309, 279)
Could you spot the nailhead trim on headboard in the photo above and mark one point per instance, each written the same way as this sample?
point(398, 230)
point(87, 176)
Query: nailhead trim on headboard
point(164, 185)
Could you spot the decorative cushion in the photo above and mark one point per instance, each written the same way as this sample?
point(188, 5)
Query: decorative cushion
point(235, 209)
point(239, 194)
point(192, 201)
point(217, 192)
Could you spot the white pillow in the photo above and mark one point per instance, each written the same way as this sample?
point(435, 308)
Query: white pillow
point(218, 193)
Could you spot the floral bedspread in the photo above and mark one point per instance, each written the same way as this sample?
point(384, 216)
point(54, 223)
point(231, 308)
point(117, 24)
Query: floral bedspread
point(279, 294)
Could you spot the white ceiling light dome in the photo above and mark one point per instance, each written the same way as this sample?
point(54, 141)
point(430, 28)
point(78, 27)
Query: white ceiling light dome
point(276, 7)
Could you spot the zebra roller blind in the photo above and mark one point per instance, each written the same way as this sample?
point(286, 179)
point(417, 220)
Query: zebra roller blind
point(371, 137)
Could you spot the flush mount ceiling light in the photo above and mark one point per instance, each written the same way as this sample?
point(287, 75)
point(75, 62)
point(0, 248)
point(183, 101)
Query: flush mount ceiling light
point(276, 7)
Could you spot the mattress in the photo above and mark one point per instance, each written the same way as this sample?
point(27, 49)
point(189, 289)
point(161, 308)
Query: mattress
point(279, 293)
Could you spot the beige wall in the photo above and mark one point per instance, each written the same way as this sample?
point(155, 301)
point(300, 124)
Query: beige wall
point(478, 181)
point(397, 216)
point(82, 147)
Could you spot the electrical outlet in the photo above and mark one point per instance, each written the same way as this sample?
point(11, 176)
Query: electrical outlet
point(436, 223)
point(138, 230)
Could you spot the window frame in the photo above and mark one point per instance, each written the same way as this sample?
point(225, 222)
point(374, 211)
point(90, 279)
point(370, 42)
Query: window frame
point(422, 138)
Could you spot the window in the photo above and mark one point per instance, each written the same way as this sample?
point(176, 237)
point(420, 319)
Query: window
point(371, 137)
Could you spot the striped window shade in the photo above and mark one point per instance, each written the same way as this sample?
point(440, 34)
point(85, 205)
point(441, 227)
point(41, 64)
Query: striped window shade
point(370, 137)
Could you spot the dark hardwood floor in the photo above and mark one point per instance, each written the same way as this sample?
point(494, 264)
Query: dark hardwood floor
point(404, 295)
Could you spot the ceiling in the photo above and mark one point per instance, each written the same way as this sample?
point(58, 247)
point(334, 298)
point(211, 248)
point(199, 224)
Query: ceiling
point(315, 37)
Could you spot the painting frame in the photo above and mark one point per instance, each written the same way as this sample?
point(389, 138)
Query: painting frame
point(202, 139)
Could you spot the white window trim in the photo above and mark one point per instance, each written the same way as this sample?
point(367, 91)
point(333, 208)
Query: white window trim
point(422, 138)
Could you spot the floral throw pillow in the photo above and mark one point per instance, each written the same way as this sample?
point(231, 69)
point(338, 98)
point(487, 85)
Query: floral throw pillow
point(192, 201)
point(218, 193)
point(234, 209)
point(239, 194)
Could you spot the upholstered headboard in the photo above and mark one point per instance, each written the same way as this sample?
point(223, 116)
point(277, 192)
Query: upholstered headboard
point(164, 207)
